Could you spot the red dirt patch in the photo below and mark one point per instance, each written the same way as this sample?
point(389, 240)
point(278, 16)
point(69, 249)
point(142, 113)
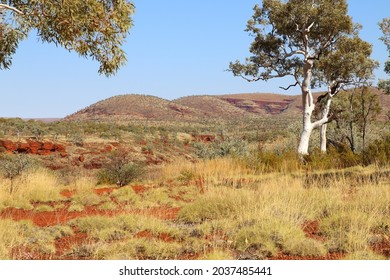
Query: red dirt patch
point(62, 216)
point(138, 189)
point(68, 193)
point(383, 247)
point(102, 191)
point(311, 229)
point(67, 242)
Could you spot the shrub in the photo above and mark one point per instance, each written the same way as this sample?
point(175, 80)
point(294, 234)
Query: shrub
point(378, 152)
point(12, 166)
point(269, 161)
point(119, 170)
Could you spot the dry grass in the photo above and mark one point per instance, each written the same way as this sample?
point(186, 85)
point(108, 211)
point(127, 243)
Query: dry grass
point(39, 185)
point(227, 211)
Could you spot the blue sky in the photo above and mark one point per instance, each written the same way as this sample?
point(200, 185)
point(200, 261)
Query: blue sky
point(176, 48)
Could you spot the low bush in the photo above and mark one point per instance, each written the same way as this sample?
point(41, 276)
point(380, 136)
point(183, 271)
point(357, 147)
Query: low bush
point(119, 170)
point(378, 152)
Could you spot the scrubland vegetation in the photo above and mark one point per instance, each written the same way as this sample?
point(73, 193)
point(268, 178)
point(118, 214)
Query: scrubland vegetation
point(244, 195)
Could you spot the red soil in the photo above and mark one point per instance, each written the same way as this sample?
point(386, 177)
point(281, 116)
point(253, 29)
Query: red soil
point(68, 193)
point(311, 229)
point(62, 216)
point(383, 247)
point(138, 189)
point(67, 242)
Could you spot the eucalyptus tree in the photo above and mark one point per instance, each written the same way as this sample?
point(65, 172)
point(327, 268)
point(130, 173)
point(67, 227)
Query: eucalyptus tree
point(348, 63)
point(91, 28)
point(385, 27)
point(308, 40)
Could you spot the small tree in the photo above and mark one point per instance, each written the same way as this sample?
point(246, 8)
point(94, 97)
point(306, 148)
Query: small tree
point(368, 111)
point(297, 38)
point(92, 28)
point(358, 108)
point(12, 166)
point(119, 170)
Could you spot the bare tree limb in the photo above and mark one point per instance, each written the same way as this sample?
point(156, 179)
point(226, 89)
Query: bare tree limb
point(5, 6)
point(287, 88)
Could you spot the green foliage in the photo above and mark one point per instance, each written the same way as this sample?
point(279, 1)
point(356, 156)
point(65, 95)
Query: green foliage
point(385, 27)
point(279, 27)
point(119, 170)
point(334, 158)
point(12, 166)
point(355, 111)
point(314, 42)
point(91, 28)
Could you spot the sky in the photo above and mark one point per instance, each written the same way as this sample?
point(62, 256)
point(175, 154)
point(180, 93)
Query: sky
point(176, 48)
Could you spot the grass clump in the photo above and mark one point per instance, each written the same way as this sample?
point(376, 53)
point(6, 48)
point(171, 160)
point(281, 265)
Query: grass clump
point(138, 248)
point(126, 195)
point(112, 228)
point(218, 203)
point(15, 237)
point(217, 254)
point(44, 208)
point(109, 205)
point(76, 207)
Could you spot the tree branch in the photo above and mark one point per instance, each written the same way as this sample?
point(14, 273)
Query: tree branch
point(287, 88)
point(5, 6)
point(309, 27)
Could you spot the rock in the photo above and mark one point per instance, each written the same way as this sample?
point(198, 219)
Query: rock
point(59, 148)
point(9, 146)
point(48, 146)
point(23, 148)
point(32, 147)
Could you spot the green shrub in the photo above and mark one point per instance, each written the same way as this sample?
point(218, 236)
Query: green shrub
point(119, 170)
point(12, 166)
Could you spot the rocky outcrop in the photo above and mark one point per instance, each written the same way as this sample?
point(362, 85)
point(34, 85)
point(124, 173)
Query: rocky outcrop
point(32, 147)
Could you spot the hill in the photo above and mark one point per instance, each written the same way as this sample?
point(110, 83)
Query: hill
point(135, 107)
point(199, 108)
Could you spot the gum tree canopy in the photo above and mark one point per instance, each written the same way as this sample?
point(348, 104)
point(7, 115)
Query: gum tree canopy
point(313, 41)
point(385, 27)
point(92, 28)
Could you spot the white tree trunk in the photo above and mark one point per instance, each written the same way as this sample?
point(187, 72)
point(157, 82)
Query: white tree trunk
point(323, 138)
point(303, 147)
point(308, 108)
point(324, 120)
